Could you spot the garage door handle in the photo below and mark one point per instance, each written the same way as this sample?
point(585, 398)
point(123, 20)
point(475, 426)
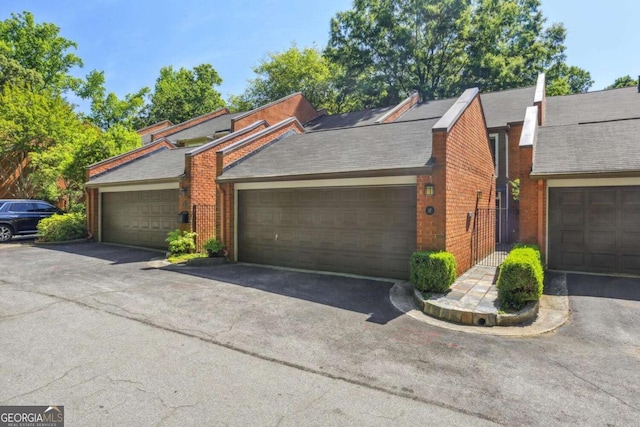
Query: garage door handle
point(276, 237)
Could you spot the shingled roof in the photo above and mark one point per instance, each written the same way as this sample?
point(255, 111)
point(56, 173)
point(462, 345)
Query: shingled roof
point(590, 133)
point(374, 148)
point(160, 165)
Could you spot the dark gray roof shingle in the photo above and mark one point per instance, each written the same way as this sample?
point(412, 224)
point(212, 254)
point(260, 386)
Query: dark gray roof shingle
point(366, 148)
point(427, 110)
point(598, 106)
point(507, 106)
point(356, 118)
point(208, 128)
point(161, 164)
point(606, 147)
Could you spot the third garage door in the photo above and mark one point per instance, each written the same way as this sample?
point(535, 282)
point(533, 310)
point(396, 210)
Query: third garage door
point(361, 230)
point(595, 229)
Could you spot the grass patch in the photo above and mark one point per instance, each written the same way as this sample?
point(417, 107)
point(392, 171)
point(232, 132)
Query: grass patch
point(177, 259)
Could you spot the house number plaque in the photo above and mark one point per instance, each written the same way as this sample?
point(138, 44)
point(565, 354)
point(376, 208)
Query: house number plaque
point(430, 210)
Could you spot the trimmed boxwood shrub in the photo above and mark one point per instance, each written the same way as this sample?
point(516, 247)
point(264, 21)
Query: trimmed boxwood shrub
point(59, 228)
point(433, 271)
point(521, 278)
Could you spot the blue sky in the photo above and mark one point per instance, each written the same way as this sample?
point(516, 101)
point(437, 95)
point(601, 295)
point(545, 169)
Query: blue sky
point(132, 39)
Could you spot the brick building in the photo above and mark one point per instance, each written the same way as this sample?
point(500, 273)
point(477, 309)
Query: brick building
point(359, 192)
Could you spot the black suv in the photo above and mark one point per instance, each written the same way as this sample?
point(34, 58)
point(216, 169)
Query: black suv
point(22, 216)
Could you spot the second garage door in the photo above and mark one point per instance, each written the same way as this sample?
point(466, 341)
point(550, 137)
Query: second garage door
point(595, 229)
point(361, 230)
point(139, 218)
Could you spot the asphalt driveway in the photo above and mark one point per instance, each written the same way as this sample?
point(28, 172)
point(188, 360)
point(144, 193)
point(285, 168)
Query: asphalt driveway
point(184, 342)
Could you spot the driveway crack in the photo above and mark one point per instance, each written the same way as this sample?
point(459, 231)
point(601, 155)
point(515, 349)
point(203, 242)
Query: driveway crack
point(42, 387)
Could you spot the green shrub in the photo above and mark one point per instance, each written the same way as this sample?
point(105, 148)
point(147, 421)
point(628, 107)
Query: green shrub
point(59, 228)
point(521, 278)
point(214, 247)
point(530, 246)
point(181, 242)
point(433, 271)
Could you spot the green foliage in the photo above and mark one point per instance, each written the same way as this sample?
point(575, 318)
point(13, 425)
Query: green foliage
point(294, 70)
point(390, 48)
point(59, 228)
point(183, 94)
point(108, 110)
point(624, 81)
point(181, 242)
point(175, 259)
point(433, 271)
point(12, 73)
point(40, 48)
point(521, 278)
point(515, 189)
point(213, 246)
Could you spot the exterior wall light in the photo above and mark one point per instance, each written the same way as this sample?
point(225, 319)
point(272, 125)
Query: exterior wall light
point(479, 194)
point(183, 190)
point(429, 189)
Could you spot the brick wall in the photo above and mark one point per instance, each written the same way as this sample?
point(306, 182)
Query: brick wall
point(528, 198)
point(468, 168)
point(113, 162)
point(226, 225)
point(402, 108)
point(200, 173)
point(92, 198)
point(295, 105)
point(154, 127)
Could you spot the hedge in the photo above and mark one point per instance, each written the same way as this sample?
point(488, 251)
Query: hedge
point(59, 228)
point(521, 278)
point(181, 242)
point(433, 271)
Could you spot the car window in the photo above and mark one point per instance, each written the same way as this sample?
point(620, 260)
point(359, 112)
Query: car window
point(45, 207)
point(22, 207)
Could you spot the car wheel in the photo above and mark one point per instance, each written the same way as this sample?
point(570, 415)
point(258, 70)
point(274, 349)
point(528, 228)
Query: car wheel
point(6, 233)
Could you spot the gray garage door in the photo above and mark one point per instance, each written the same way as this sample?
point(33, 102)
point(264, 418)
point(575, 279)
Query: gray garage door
point(360, 230)
point(139, 218)
point(595, 229)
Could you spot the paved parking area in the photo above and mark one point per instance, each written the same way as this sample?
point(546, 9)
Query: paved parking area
point(105, 332)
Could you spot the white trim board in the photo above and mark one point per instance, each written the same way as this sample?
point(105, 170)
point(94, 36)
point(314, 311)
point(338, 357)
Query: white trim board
point(140, 187)
point(341, 182)
point(593, 182)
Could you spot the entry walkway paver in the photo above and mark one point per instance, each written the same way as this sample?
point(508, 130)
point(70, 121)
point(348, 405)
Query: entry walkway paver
point(473, 303)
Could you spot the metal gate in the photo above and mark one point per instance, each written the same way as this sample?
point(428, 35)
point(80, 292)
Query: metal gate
point(494, 233)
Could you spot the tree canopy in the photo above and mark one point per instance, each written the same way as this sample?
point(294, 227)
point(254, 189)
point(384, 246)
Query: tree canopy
point(282, 73)
point(390, 48)
point(41, 49)
point(623, 81)
point(182, 94)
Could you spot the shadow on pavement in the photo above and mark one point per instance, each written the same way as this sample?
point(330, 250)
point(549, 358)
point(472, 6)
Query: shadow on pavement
point(360, 295)
point(627, 288)
point(113, 253)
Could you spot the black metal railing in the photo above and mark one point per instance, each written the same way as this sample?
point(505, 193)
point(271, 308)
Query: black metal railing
point(203, 222)
point(495, 232)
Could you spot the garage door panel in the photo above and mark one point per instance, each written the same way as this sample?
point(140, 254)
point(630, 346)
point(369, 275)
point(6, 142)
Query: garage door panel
point(139, 218)
point(608, 241)
point(362, 230)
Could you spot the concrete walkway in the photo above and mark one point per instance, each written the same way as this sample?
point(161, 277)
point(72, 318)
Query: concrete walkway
point(472, 304)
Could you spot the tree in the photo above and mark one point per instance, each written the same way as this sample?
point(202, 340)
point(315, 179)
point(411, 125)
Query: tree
point(294, 70)
point(12, 73)
point(624, 81)
point(183, 94)
point(108, 110)
point(39, 47)
point(31, 125)
point(391, 48)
